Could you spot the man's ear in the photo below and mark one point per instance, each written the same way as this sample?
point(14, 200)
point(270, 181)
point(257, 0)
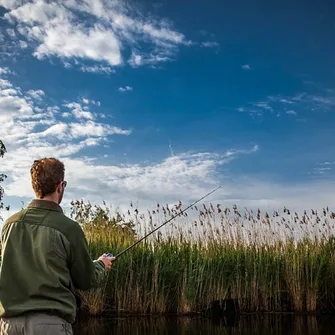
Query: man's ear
point(58, 188)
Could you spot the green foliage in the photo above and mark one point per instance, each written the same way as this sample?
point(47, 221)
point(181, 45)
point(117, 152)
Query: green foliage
point(2, 149)
point(2, 178)
point(98, 218)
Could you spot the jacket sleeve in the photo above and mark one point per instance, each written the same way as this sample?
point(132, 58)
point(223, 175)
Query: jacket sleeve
point(85, 272)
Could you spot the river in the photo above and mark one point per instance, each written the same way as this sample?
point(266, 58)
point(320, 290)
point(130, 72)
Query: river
point(273, 324)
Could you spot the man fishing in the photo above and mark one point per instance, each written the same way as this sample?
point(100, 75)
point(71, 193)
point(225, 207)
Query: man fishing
point(44, 258)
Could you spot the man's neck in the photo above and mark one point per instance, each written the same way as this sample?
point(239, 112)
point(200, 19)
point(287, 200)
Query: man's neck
point(50, 198)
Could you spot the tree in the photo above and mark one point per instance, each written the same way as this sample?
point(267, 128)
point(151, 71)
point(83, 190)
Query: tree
point(2, 177)
point(99, 218)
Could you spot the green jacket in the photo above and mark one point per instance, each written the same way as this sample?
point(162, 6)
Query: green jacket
point(44, 256)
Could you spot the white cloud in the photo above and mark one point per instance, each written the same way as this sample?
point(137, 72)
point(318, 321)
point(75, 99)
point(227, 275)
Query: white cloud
point(285, 101)
point(66, 41)
point(264, 105)
point(321, 170)
point(78, 111)
point(35, 12)
point(10, 4)
point(5, 83)
point(11, 32)
point(125, 89)
point(23, 44)
point(185, 176)
point(34, 131)
point(298, 104)
point(327, 163)
point(4, 70)
point(97, 69)
point(30, 129)
point(91, 128)
point(210, 44)
point(8, 92)
point(93, 102)
point(66, 115)
point(113, 29)
point(36, 94)
point(14, 105)
point(137, 59)
point(246, 67)
point(58, 130)
point(326, 101)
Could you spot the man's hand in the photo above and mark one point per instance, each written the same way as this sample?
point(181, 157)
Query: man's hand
point(107, 260)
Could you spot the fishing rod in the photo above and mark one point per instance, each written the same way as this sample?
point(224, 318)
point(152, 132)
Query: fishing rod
point(173, 217)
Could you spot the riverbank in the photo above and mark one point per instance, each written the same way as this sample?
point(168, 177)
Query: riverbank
point(185, 273)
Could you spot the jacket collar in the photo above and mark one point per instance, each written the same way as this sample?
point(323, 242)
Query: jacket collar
point(45, 204)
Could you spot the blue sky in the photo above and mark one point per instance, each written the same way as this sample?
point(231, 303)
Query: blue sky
point(155, 101)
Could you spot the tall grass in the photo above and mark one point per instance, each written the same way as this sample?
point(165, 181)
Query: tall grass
point(273, 263)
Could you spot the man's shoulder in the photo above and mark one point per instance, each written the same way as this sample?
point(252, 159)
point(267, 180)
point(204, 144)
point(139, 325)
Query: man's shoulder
point(71, 224)
point(15, 217)
point(64, 224)
point(62, 217)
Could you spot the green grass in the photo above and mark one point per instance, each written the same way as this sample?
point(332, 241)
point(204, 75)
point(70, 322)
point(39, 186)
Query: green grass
point(268, 263)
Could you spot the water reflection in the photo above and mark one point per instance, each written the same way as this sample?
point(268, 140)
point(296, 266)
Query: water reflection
point(251, 324)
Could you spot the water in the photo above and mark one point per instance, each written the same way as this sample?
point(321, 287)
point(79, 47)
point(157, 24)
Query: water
point(252, 324)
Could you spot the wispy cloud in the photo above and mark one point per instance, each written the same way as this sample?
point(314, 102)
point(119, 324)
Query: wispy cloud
point(125, 89)
point(78, 111)
point(184, 176)
point(36, 94)
point(328, 101)
point(33, 129)
point(246, 67)
point(11, 32)
point(323, 168)
point(23, 44)
point(4, 70)
point(137, 59)
point(301, 102)
point(210, 44)
point(233, 153)
point(264, 105)
point(54, 29)
point(97, 69)
point(93, 102)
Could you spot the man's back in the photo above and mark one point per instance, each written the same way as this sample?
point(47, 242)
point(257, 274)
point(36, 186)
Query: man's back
point(44, 256)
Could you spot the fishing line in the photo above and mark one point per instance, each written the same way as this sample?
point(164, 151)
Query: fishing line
point(173, 217)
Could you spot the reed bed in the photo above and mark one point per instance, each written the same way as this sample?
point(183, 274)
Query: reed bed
point(268, 262)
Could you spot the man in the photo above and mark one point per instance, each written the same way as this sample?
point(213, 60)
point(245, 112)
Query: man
point(44, 257)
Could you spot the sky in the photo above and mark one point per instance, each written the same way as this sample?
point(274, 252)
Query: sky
point(157, 101)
